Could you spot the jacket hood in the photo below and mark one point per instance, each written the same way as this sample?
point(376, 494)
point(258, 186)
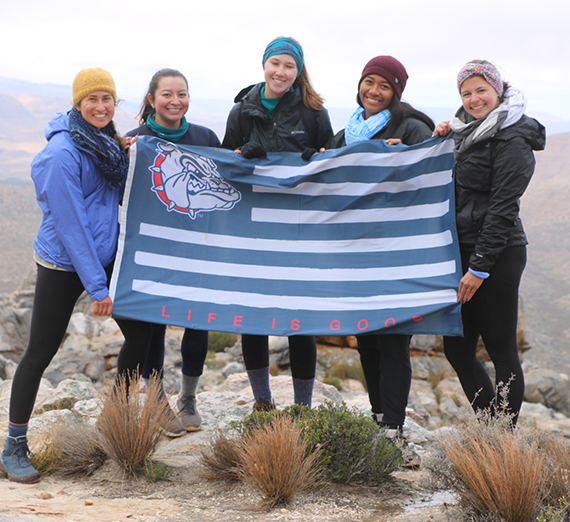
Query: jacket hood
point(59, 123)
point(529, 129)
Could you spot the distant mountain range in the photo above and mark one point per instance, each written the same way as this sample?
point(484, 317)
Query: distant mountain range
point(25, 108)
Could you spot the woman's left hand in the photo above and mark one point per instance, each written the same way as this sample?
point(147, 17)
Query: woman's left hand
point(130, 141)
point(393, 141)
point(468, 285)
point(103, 307)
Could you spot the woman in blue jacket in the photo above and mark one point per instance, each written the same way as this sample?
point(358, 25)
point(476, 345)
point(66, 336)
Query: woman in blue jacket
point(163, 115)
point(79, 179)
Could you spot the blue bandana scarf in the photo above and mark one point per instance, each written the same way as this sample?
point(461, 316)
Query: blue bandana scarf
point(359, 129)
point(113, 162)
point(284, 45)
point(164, 132)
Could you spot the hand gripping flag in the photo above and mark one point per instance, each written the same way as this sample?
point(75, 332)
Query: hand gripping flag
point(356, 240)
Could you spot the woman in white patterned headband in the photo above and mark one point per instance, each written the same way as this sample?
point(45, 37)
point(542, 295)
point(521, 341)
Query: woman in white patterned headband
point(494, 144)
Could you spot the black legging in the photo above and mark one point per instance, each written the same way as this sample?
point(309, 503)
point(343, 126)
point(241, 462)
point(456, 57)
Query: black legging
point(54, 299)
point(387, 369)
point(302, 354)
point(492, 314)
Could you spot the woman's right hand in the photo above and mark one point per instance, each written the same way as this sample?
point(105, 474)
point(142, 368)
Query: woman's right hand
point(104, 307)
point(442, 129)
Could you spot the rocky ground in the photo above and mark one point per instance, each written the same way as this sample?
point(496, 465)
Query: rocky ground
point(75, 380)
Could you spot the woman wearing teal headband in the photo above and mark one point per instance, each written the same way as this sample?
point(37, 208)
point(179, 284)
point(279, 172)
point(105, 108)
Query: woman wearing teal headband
point(282, 114)
point(163, 115)
point(494, 143)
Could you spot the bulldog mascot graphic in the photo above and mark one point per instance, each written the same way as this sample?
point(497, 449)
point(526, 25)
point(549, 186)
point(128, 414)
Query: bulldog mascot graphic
point(189, 183)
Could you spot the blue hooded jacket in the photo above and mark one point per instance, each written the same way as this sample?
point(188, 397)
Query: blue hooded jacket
point(79, 228)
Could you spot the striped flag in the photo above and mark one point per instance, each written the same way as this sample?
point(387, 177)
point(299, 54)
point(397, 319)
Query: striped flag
point(358, 239)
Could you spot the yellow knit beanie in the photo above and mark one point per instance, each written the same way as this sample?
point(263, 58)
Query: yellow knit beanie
point(91, 80)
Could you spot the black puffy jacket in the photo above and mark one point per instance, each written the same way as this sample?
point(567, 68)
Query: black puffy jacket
point(285, 132)
point(490, 178)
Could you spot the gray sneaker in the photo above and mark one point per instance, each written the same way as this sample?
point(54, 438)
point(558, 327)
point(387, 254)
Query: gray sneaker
point(171, 426)
point(188, 413)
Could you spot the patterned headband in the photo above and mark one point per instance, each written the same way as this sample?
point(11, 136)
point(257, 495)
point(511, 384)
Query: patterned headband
point(284, 45)
point(486, 70)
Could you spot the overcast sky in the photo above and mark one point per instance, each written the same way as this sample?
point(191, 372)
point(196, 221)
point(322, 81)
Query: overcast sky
point(218, 44)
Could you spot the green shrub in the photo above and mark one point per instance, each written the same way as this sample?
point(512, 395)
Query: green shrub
point(349, 444)
point(217, 341)
point(155, 471)
point(333, 381)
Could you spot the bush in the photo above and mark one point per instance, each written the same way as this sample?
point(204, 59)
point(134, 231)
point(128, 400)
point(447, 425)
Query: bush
point(82, 451)
point(349, 444)
point(220, 459)
point(218, 341)
point(276, 463)
point(155, 471)
point(499, 471)
point(345, 369)
point(130, 426)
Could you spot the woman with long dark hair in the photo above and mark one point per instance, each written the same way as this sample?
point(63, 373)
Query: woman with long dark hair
point(163, 114)
point(282, 114)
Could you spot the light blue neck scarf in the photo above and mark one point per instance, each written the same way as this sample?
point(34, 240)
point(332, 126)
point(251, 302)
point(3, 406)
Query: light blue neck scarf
point(359, 129)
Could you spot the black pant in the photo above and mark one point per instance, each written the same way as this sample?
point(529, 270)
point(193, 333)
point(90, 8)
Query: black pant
point(387, 369)
point(492, 314)
point(55, 297)
point(302, 354)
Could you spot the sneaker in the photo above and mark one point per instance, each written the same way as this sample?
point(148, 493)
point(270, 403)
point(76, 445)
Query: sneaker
point(171, 426)
point(263, 405)
point(15, 461)
point(188, 414)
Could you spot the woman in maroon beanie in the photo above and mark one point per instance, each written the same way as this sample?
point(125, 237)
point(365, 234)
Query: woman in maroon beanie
point(381, 115)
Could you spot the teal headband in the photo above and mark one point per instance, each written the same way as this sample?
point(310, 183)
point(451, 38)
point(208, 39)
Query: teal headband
point(285, 45)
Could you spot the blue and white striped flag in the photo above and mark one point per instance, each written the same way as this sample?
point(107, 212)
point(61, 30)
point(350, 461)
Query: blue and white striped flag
point(356, 240)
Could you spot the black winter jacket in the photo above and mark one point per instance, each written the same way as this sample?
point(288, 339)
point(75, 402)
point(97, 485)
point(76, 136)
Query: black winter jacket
point(284, 132)
point(490, 178)
point(410, 131)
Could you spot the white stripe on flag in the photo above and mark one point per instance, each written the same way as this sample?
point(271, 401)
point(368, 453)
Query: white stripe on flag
point(373, 215)
point(390, 244)
point(436, 179)
point(356, 159)
point(295, 303)
point(287, 273)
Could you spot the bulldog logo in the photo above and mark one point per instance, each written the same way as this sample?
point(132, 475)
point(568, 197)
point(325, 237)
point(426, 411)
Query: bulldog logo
point(189, 183)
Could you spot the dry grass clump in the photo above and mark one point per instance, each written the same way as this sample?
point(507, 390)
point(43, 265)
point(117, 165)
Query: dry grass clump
point(220, 459)
point(82, 451)
point(47, 449)
point(276, 463)
point(130, 425)
point(502, 472)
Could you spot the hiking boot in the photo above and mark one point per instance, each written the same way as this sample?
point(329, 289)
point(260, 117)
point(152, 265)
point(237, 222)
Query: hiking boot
point(15, 461)
point(263, 405)
point(188, 413)
point(171, 426)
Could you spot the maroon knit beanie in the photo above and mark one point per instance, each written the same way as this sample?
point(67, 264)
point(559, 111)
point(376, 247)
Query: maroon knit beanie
point(389, 68)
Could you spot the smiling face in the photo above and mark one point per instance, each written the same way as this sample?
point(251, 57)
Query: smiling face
point(375, 94)
point(478, 97)
point(170, 101)
point(97, 108)
point(280, 73)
